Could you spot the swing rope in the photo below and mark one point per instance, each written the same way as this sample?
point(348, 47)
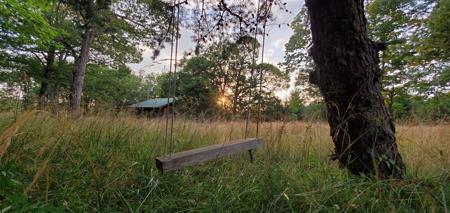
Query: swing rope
point(177, 24)
point(252, 70)
point(258, 120)
point(171, 26)
point(257, 87)
point(172, 75)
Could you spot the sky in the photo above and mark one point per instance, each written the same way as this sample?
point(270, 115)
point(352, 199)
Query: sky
point(274, 45)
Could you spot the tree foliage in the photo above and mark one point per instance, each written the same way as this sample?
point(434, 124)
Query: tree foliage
point(54, 33)
point(297, 59)
point(23, 25)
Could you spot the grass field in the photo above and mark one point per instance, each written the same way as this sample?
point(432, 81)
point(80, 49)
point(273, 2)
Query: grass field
point(106, 163)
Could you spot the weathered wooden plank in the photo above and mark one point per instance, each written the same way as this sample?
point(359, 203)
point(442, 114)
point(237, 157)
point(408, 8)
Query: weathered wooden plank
point(195, 156)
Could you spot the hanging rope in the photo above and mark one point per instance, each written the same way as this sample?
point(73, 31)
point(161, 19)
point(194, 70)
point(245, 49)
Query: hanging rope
point(252, 70)
point(171, 25)
point(177, 25)
point(258, 120)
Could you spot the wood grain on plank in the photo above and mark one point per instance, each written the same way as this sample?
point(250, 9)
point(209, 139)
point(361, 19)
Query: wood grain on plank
point(203, 154)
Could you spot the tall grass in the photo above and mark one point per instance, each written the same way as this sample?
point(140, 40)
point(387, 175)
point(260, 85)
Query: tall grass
point(106, 163)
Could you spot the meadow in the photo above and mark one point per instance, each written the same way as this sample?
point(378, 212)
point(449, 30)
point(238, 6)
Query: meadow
point(105, 163)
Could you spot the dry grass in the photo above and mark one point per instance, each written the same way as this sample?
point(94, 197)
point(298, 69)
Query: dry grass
point(106, 163)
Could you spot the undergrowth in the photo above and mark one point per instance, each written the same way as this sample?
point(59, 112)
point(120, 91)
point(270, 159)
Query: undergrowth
point(106, 163)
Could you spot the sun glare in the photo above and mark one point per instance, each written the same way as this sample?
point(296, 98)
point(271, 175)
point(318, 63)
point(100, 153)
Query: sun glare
point(222, 101)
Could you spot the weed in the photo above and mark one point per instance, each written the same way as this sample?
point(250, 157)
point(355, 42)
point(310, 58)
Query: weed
point(106, 163)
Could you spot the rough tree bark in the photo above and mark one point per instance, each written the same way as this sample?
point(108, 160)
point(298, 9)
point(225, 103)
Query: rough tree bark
point(80, 70)
point(48, 71)
point(349, 78)
point(55, 92)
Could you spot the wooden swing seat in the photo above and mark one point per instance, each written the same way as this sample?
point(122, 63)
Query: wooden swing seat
point(204, 154)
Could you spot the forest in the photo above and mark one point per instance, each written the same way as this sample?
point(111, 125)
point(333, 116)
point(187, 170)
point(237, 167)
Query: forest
point(351, 99)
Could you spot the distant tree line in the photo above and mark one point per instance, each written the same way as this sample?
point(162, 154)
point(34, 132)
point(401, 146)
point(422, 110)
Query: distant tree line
point(226, 80)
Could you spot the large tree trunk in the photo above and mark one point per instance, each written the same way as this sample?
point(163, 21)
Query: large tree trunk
point(80, 70)
point(55, 94)
point(48, 71)
point(349, 79)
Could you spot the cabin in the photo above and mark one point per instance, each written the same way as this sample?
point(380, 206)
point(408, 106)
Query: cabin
point(154, 106)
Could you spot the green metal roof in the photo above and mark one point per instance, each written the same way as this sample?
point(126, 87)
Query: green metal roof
point(153, 103)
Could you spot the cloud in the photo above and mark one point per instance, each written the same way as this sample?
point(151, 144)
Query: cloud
point(162, 62)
